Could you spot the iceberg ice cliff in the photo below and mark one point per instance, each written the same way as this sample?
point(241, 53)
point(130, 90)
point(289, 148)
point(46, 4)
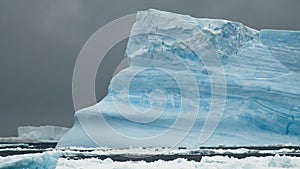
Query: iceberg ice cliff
point(165, 96)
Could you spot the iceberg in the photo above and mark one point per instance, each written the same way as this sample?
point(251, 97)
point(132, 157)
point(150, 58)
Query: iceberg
point(193, 82)
point(42, 133)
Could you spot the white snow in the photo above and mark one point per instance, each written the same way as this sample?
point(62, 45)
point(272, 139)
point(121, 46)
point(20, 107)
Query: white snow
point(217, 162)
point(165, 151)
point(51, 160)
point(47, 160)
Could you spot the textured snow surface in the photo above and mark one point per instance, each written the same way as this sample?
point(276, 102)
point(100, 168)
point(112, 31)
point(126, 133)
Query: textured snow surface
point(51, 160)
point(42, 133)
point(144, 152)
point(216, 162)
point(46, 160)
point(262, 72)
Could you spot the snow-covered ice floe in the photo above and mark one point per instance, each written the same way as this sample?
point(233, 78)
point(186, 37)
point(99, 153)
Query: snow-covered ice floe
point(47, 160)
point(205, 151)
point(172, 83)
point(51, 160)
point(217, 162)
point(86, 158)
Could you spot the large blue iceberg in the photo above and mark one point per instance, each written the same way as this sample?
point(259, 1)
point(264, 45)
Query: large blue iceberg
point(197, 82)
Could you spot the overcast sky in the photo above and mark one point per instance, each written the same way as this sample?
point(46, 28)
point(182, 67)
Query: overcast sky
point(40, 41)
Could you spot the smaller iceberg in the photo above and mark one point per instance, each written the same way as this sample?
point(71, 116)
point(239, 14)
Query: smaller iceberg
point(42, 133)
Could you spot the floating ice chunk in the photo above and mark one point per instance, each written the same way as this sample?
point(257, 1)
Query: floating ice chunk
point(47, 160)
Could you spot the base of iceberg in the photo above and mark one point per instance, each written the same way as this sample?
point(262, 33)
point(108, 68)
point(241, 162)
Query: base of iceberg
point(166, 96)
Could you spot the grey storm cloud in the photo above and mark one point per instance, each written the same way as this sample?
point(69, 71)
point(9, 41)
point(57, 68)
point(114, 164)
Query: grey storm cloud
point(41, 39)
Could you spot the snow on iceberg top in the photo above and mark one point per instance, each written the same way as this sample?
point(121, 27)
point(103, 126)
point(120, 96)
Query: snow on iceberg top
point(160, 26)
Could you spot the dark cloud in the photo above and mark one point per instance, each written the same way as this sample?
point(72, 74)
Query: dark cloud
point(40, 41)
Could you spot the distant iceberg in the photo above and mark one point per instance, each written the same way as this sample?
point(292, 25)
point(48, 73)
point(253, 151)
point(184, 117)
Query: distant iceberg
point(42, 133)
point(168, 79)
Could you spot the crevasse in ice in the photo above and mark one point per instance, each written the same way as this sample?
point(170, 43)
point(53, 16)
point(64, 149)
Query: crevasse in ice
point(165, 96)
